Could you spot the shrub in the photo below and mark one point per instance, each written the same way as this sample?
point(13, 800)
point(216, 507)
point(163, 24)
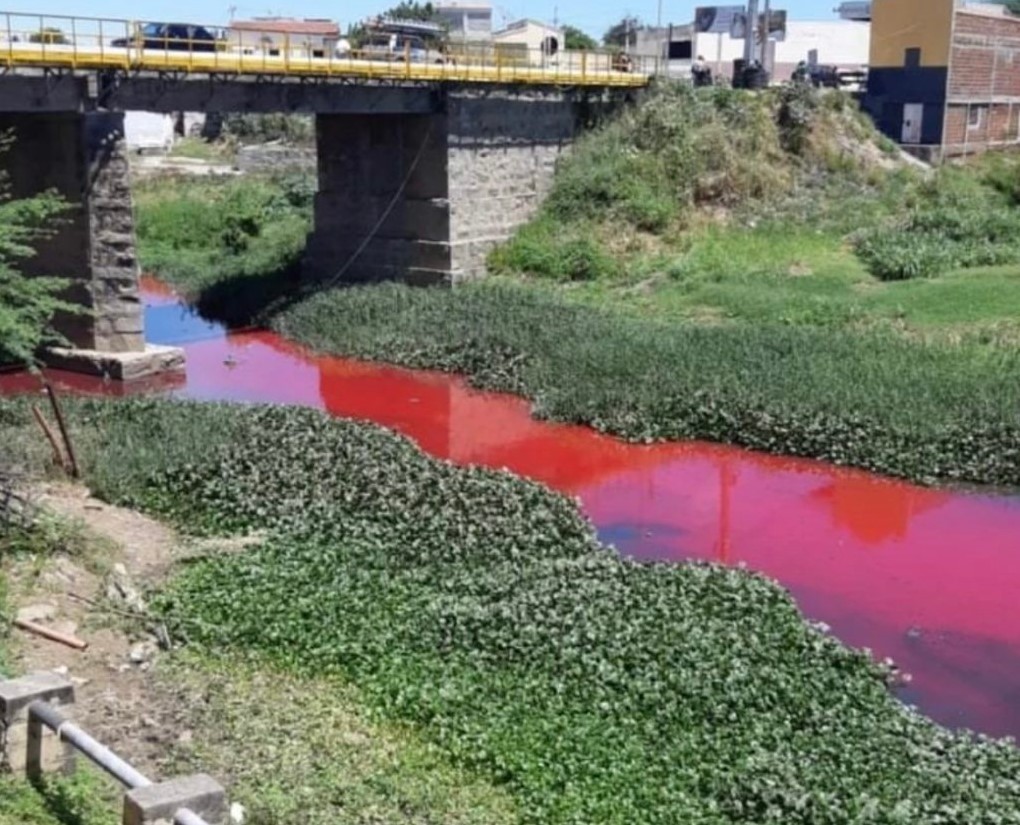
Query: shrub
point(232, 244)
point(27, 304)
point(902, 254)
point(958, 222)
point(544, 250)
point(264, 128)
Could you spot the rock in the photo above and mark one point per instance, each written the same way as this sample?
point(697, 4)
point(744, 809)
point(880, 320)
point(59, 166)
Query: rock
point(142, 652)
point(37, 612)
point(120, 590)
point(60, 671)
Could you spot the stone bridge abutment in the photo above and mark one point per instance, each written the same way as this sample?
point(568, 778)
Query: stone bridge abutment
point(415, 184)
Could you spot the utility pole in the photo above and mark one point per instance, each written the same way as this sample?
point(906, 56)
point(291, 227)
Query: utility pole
point(767, 18)
point(658, 16)
point(749, 30)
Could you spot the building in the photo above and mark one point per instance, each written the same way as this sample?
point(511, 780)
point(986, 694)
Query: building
point(468, 20)
point(855, 10)
point(945, 75)
point(274, 35)
point(539, 40)
point(841, 43)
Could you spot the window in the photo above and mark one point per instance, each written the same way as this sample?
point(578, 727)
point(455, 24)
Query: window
point(912, 59)
point(680, 50)
point(976, 116)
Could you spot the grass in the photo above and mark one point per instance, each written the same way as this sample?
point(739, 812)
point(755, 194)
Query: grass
point(82, 799)
point(196, 148)
point(304, 751)
point(779, 275)
point(479, 610)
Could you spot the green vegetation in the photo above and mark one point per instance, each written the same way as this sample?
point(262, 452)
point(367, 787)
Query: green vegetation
point(82, 799)
point(923, 410)
point(304, 751)
point(232, 245)
point(576, 40)
point(715, 264)
point(288, 128)
point(479, 609)
point(27, 305)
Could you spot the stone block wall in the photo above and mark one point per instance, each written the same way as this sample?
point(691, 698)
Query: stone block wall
point(502, 152)
point(424, 197)
point(82, 157)
point(381, 211)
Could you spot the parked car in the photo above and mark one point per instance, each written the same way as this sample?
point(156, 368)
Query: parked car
point(390, 46)
point(180, 37)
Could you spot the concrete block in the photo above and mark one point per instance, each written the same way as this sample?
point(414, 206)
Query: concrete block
point(30, 749)
point(17, 694)
point(157, 804)
point(119, 366)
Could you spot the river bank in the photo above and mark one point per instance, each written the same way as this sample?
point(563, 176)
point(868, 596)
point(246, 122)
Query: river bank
point(512, 640)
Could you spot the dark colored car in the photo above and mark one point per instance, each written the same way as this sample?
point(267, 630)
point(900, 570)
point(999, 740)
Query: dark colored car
point(179, 37)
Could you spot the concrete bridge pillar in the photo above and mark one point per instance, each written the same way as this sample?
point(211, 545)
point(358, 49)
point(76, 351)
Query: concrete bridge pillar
point(83, 158)
point(422, 198)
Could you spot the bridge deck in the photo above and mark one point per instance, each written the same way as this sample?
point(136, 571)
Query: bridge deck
point(78, 43)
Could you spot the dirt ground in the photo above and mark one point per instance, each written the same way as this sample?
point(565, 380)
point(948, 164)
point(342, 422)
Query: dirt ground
point(118, 698)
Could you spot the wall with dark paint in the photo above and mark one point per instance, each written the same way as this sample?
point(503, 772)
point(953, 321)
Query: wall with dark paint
point(890, 88)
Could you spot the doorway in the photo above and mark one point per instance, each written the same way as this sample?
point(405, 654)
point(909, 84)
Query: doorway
point(913, 117)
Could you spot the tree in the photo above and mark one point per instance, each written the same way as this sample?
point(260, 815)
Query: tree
point(409, 10)
point(621, 34)
point(27, 304)
point(48, 36)
point(576, 40)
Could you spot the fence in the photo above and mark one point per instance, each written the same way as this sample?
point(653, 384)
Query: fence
point(59, 41)
point(30, 706)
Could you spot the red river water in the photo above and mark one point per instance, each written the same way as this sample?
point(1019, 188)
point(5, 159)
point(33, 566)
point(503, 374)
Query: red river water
point(928, 577)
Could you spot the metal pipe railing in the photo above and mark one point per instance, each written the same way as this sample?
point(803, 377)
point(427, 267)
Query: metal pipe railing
point(43, 713)
point(98, 753)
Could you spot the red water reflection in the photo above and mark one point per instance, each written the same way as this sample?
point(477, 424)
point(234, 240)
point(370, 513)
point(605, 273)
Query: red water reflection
point(928, 577)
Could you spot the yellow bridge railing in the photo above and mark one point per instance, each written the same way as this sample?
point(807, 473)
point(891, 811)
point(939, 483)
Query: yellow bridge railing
point(89, 43)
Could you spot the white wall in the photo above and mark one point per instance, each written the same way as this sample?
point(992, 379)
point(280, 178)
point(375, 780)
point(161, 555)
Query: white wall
point(148, 130)
point(843, 43)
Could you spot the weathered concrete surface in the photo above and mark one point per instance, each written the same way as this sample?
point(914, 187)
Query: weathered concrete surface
point(30, 92)
point(424, 198)
point(502, 152)
point(51, 755)
point(382, 196)
point(153, 359)
point(157, 804)
point(82, 157)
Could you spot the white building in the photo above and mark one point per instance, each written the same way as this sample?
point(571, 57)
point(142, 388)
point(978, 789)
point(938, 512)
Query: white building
point(274, 35)
point(842, 43)
point(466, 19)
point(537, 38)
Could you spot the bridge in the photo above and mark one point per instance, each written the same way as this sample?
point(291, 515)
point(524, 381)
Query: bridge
point(425, 161)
